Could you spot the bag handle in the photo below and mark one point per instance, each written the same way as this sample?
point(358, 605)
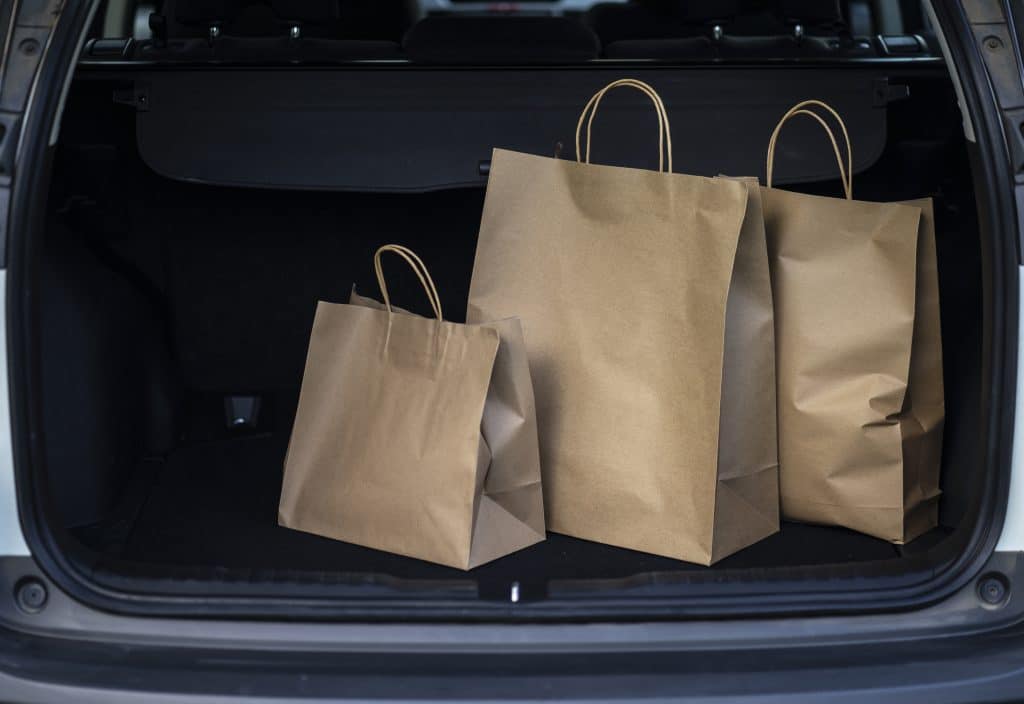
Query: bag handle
point(664, 131)
point(418, 267)
point(845, 171)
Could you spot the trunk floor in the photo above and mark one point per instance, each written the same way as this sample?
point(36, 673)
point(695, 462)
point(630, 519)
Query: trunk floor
point(214, 504)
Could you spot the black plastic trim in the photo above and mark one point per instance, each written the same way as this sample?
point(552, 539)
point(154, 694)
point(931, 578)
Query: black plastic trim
point(994, 184)
point(979, 668)
point(888, 62)
point(963, 650)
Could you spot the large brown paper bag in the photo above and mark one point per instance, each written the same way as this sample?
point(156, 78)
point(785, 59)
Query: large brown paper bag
point(859, 354)
point(646, 306)
point(414, 435)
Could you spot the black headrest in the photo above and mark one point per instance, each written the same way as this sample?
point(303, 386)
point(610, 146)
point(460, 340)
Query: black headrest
point(206, 11)
point(812, 11)
point(696, 11)
point(707, 11)
point(226, 11)
point(305, 10)
point(500, 40)
point(376, 19)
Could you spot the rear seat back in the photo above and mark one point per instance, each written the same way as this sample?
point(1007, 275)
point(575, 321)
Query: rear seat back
point(754, 29)
point(331, 19)
point(821, 16)
point(453, 39)
point(256, 18)
point(802, 28)
point(281, 30)
point(270, 18)
point(197, 18)
point(257, 30)
point(375, 19)
point(658, 19)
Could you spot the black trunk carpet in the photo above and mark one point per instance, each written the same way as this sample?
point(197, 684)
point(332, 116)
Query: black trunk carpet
point(214, 504)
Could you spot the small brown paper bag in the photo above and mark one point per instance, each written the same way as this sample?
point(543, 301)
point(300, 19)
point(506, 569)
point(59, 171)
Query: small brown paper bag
point(859, 354)
point(415, 435)
point(646, 304)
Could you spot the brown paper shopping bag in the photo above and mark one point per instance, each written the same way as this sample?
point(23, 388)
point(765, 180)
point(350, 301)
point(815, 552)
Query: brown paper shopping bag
point(646, 306)
point(859, 354)
point(415, 435)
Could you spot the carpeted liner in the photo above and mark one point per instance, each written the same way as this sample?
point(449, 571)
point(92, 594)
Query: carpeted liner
point(215, 504)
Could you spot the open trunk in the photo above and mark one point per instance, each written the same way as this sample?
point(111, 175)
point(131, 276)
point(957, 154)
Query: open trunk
point(196, 216)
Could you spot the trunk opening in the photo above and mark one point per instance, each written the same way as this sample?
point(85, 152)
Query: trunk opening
point(164, 307)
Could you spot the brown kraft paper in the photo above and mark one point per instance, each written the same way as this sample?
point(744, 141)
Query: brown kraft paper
point(647, 312)
point(414, 435)
point(859, 356)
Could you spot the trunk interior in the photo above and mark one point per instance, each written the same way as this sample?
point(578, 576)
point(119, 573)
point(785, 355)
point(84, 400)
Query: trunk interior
point(164, 296)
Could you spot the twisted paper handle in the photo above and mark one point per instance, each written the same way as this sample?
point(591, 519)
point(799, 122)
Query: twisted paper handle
point(845, 171)
point(418, 267)
point(664, 131)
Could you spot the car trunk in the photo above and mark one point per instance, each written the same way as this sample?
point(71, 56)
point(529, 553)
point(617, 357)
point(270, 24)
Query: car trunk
point(184, 254)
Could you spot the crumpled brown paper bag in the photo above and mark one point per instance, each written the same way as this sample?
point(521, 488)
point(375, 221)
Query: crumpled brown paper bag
point(415, 435)
point(859, 355)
